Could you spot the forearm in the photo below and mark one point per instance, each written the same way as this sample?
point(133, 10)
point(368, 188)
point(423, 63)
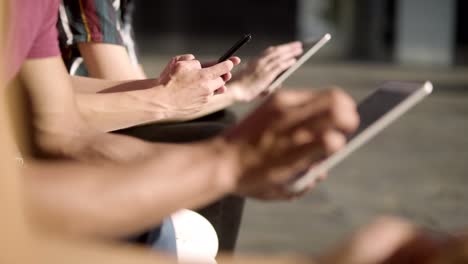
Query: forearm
point(117, 110)
point(110, 62)
point(113, 105)
point(92, 85)
point(113, 111)
point(92, 146)
point(110, 202)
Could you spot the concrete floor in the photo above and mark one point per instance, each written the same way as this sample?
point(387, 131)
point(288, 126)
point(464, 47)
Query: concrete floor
point(417, 168)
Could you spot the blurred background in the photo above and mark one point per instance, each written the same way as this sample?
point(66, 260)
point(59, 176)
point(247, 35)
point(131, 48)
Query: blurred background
point(417, 168)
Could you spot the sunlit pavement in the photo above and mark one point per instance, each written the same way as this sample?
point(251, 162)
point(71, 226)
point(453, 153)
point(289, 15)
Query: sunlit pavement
point(417, 168)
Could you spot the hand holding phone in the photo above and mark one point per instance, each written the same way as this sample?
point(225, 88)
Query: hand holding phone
point(244, 40)
point(229, 53)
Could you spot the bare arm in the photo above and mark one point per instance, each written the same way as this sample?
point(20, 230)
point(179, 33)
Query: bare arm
point(115, 107)
point(88, 85)
point(111, 200)
point(110, 62)
point(119, 201)
point(256, 158)
point(60, 129)
point(129, 103)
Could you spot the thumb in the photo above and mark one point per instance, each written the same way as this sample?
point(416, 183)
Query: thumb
point(220, 90)
point(185, 57)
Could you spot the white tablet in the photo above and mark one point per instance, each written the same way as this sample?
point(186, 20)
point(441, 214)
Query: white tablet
point(376, 112)
point(312, 48)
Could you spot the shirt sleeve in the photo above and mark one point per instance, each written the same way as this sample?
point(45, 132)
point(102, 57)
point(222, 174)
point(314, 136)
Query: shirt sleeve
point(46, 43)
point(89, 21)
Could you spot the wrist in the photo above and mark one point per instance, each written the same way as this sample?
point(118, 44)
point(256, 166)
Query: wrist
point(226, 156)
point(154, 103)
point(235, 89)
point(244, 159)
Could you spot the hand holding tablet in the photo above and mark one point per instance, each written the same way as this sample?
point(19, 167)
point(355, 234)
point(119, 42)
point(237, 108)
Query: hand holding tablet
point(310, 48)
point(377, 111)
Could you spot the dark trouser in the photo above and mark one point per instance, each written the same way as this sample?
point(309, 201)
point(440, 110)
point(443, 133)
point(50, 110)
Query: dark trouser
point(225, 215)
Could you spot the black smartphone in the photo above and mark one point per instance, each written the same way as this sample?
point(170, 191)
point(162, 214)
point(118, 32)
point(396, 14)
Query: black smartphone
point(244, 40)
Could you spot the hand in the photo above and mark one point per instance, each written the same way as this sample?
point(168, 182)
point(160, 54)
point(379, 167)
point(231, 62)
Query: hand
point(394, 241)
point(188, 86)
point(228, 76)
point(288, 133)
point(374, 244)
point(259, 73)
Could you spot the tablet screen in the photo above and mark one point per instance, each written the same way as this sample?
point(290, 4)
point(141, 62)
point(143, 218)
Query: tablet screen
point(375, 106)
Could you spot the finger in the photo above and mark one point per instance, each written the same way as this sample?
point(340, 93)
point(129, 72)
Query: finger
point(217, 70)
point(291, 99)
point(298, 195)
point(277, 69)
point(280, 66)
point(209, 64)
point(269, 194)
point(273, 60)
point(268, 63)
point(311, 186)
point(322, 177)
point(294, 160)
point(288, 166)
point(333, 141)
point(331, 109)
point(184, 57)
point(187, 65)
point(281, 52)
point(216, 84)
point(285, 164)
point(220, 90)
point(273, 50)
point(276, 105)
point(265, 93)
point(278, 193)
point(226, 77)
point(235, 60)
point(322, 129)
